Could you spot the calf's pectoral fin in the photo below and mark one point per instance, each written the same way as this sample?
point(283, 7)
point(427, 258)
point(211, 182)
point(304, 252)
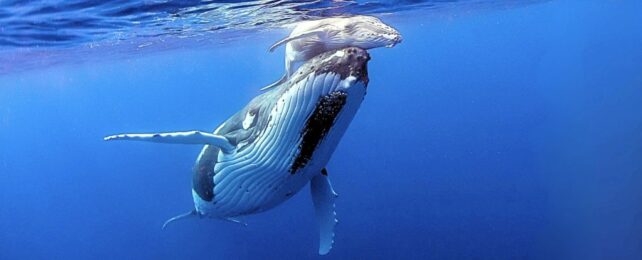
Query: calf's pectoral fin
point(295, 37)
point(188, 137)
point(323, 197)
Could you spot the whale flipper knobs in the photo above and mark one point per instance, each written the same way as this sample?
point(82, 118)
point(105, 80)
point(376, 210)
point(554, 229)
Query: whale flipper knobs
point(323, 197)
point(187, 137)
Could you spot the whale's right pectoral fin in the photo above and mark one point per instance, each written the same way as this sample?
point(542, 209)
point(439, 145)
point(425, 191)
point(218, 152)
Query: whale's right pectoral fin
point(190, 214)
point(188, 137)
point(318, 32)
point(323, 197)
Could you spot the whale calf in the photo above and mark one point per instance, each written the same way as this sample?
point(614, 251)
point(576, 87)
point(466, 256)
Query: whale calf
point(311, 38)
point(280, 141)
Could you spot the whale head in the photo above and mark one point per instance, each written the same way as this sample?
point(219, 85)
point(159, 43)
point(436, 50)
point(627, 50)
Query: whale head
point(369, 32)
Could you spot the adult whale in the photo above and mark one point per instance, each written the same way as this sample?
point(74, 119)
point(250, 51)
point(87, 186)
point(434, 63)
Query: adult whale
point(279, 142)
point(311, 38)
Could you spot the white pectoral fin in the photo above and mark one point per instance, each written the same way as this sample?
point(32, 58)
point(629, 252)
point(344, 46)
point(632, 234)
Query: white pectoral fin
point(188, 137)
point(323, 197)
point(295, 37)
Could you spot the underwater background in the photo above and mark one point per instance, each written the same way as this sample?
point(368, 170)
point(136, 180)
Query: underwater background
point(495, 130)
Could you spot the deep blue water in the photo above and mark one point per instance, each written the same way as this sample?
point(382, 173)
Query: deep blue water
point(494, 131)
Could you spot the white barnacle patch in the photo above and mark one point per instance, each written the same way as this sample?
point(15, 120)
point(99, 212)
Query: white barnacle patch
point(339, 53)
point(347, 82)
point(249, 119)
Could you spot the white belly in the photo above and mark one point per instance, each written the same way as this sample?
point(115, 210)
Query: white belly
point(260, 176)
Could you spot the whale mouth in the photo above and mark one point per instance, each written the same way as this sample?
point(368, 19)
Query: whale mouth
point(396, 40)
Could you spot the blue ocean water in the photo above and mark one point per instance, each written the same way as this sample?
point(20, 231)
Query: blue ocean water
point(496, 130)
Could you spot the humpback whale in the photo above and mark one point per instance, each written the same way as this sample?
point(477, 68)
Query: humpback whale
point(311, 38)
point(279, 142)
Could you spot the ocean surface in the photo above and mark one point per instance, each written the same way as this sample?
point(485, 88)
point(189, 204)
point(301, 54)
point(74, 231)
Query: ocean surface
point(495, 130)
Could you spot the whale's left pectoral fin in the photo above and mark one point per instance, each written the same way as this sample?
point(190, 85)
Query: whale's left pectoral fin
point(188, 137)
point(296, 37)
point(323, 197)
